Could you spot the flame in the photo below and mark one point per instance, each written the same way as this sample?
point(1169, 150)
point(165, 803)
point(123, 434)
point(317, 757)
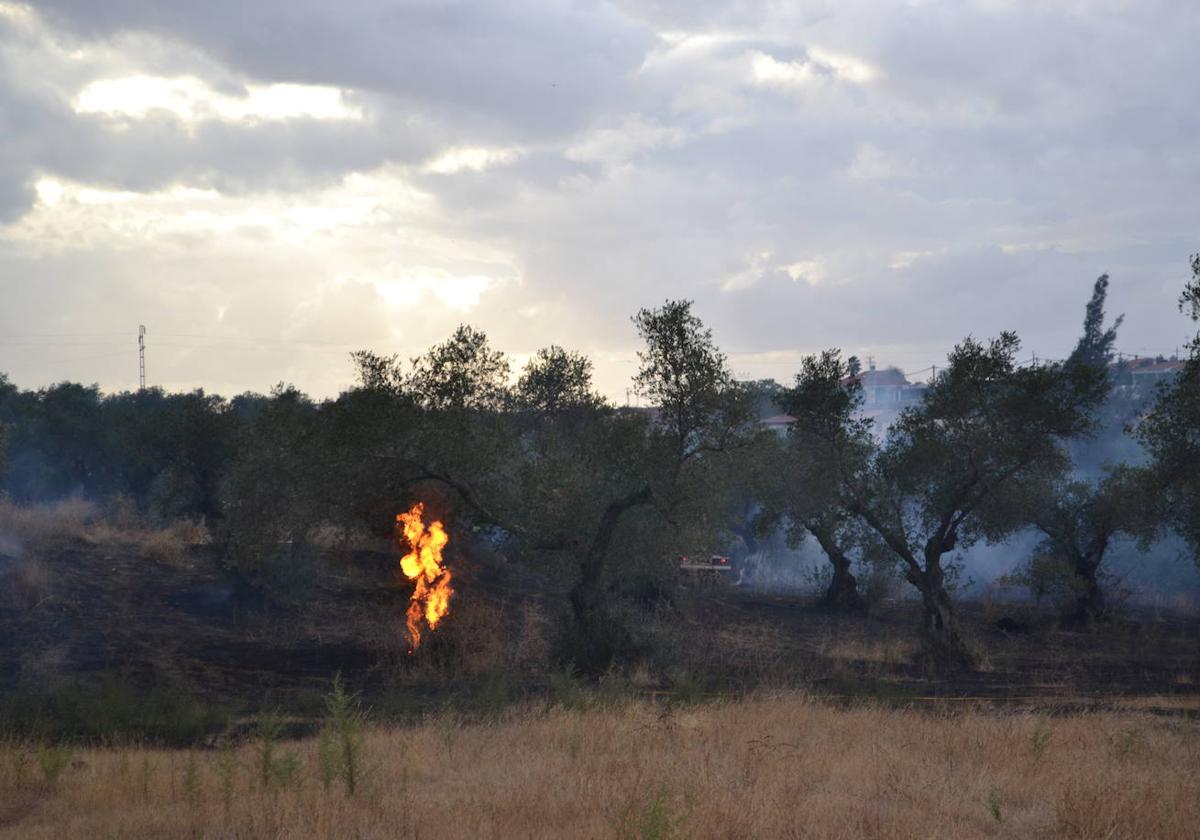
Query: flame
point(423, 563)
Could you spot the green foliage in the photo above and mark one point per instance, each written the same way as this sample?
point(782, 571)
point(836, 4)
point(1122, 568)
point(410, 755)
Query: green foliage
point(112, 710)
point(1189, 298)
point(565, 689)
point(686, 687)
point(994, 803)
point(1079, 522)
point(272, 496)
point(828, 450)
point(463, 372)
point(1095, 347)
point(1045, 576)
point(52, 760)
point(191, 779)
point(276, 769)
point(682, 372)
point(499, 690)
point(169, 452)
point(950, 469)
point(1171, 432)
point(341, 742)
point(226, 767)
point(1127, 742)
point(1039, 738)
point(654, 819)
point(556, 380)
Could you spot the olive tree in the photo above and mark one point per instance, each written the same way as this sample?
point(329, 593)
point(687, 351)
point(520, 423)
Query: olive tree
point(985, 425)
point(1079, 521)
point(556, 380)
point(1079, 517)
point(829, 449)
point(1171, 432)
point(662, 461)
point(442, 419)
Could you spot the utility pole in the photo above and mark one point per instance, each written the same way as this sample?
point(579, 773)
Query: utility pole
point(141, 357)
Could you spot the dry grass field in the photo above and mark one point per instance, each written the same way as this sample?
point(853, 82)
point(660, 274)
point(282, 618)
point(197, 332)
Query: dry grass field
point(773, 766)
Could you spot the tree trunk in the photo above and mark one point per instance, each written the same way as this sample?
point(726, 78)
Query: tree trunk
point(1089, 597)
point(599, 637)
point(842, 593)
point(943, 640)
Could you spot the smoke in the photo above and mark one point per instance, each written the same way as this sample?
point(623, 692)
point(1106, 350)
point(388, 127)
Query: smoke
point(778, 569)
point(983, 564)
point(11, 548)
point(1164, 577)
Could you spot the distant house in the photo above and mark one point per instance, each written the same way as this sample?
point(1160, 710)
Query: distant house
point(1147, 371)
point(885, 392)
point(888, 389)
point(777, 423)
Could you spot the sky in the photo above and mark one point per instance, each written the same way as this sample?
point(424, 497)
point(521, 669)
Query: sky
point(269, 185)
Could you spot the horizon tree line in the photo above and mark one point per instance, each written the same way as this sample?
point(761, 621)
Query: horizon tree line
point(576, 484)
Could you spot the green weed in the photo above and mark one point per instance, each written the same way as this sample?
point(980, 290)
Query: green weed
point(993, 802)
point(53, 760)
point(341, 744)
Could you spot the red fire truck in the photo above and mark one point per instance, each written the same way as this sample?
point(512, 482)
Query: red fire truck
point(714, 570)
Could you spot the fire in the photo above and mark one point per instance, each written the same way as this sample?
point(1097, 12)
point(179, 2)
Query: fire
point(423, 563)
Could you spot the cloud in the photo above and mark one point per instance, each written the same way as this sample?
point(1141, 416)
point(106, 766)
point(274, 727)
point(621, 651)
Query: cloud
point(818, 65)
point(512, 69)
point(191, 100)
point(883, 177)
point(471, 159)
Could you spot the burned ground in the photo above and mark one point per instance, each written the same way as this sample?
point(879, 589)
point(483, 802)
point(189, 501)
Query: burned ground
point(84, 615)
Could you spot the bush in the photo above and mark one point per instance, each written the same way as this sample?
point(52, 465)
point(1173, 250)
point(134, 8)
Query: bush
point(53, 761)
point(650, 592)
point(341, 743)
point(113, 710)
point(606, 644)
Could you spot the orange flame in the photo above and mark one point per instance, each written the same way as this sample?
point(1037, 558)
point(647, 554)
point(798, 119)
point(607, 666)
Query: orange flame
point(423, 563)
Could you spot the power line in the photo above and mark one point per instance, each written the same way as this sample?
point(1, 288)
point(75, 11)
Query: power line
point(62, 360)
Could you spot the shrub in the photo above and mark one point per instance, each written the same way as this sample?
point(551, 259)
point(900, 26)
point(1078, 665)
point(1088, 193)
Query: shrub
point(275, 769)
point(565, 689)
point(341, 744)
point(53, 760)
point(112, 710)
point(655, 819)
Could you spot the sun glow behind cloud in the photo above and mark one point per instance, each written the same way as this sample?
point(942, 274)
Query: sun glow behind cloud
point(458, 293)
point(374, 224)
point(819, 64)
point(191, 100)
point(470, 159)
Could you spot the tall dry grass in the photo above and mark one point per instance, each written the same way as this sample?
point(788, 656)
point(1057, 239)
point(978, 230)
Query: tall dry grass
point(56, 525)
point(785, 767)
